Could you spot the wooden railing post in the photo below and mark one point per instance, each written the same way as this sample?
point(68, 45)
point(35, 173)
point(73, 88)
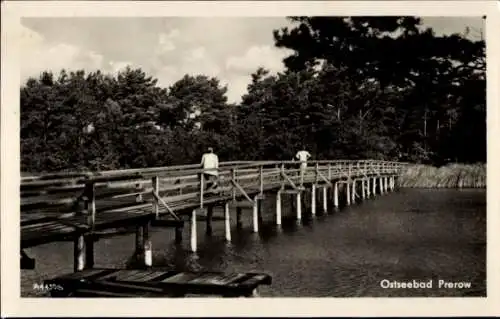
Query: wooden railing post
point(233, 177)
point(316, 173)
point(202, 188)
point(90, 203)
point(282, 175)
point(261, 179)
point(156, 187)
point(89, 240)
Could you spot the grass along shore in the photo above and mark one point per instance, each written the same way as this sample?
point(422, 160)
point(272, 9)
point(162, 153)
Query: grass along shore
point(449, 176)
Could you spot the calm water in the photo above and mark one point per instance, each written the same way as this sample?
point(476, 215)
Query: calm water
point(410, 234)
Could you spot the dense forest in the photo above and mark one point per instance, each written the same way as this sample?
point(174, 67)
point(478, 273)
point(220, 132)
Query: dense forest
point(363, 87)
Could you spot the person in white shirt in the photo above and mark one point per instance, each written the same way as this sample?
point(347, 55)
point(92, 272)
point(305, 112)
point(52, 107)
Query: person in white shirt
point(210, 163)
point(302, 156)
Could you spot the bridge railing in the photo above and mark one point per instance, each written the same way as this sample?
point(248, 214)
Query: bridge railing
point(169, 188)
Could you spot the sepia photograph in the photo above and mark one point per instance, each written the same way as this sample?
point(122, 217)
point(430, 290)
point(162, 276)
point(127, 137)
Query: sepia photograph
point(301, 155)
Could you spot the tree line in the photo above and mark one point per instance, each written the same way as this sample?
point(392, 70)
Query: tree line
point(357, 87)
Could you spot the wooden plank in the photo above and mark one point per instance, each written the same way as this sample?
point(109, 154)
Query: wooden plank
point(126, 275)
point(87, 274)
point(216, 279)
point(255, 280)
point(290, 191)
point(120, 273)
point(160, 283)
point(40, 225)
point(149, 276)
point(181, 278)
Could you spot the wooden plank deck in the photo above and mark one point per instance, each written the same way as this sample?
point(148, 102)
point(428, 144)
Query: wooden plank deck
point(99, 282)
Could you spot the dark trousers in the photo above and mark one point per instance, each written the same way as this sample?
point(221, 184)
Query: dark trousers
point(210, 180)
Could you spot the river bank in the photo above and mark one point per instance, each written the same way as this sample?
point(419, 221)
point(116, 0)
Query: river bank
point(448, 176)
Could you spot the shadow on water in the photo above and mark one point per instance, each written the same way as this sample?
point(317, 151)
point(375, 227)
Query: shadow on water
point(408, 235)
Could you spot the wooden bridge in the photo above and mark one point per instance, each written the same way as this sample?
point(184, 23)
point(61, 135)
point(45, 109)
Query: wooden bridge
point(82, 207)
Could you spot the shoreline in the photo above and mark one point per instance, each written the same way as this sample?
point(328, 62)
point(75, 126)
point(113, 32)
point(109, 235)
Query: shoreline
point(451, 176)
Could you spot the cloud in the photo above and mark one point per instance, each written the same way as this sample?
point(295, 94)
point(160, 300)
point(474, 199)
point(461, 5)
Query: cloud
point(258, 56)
point(166, 41)
point(116, 66)
point(239, 68)
point(38, 55)
point(229, 49)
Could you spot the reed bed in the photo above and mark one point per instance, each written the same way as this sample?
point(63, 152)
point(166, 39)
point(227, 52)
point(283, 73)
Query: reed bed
point(449, 176)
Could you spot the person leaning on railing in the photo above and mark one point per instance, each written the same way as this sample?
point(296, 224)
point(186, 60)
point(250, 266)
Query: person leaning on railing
point(302, 156)
point(210, 165)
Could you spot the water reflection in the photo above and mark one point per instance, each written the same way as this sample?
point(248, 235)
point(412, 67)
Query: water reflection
point(412, 234)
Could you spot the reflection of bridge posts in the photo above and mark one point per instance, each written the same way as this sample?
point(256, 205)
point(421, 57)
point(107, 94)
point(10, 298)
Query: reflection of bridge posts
point(363, 188)
point(298, 205)
point(194, 240)
point(79, 253)
point(227, 222)
point(255, 212)
point(353, 194)
point(278, 207)
point(368, 193)
point(143, 246)
point(348, 193)
point(325, 200)
point(336, 195)
point(313, 199)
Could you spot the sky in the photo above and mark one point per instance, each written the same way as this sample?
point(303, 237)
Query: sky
point(168, 48)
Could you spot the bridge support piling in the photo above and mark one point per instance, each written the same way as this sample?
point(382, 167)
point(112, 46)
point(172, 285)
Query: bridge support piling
point(336, 195)
point(89, 251)
point(363, 189)
point(368, 193)
point(374, 186)
point(325, 200)
point(227, 222)
point(255, 215)
point(313, 200)
point(239, 224)
point(278, 208)
point(139, 240)
point(208, 221)
point(348, 194)
point(259, 209)
point(392, 183)
point(148, 247)
point(193, 232)
point(386, 188)
point(79, 253)
point(353, 194)
point(178, 235)
point(381, 185)
point(298, 206)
